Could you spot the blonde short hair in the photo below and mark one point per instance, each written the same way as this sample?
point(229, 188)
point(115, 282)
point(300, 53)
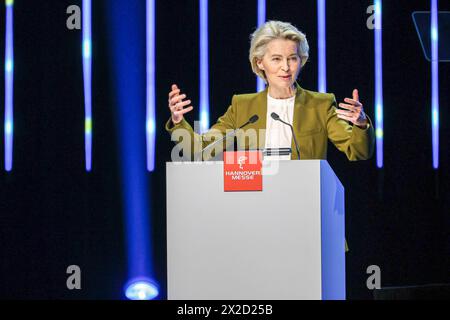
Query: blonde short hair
point(275, 30)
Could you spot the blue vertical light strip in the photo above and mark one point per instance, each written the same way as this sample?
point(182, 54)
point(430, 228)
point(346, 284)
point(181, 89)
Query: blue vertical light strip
point(260, 85)
point(87, 76)
point(322, 47)
point(127, 28)
point(151, 82)
point(204, 67)
point(435, 81)
point(379, 129)
point(9, 85)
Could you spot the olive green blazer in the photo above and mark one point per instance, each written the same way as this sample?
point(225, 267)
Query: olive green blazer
point(315, 121)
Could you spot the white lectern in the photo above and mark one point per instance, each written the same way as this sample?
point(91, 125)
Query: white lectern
point(286, 242)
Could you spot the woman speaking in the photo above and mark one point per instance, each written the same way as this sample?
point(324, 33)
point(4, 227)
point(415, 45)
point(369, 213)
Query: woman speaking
point(278, 51)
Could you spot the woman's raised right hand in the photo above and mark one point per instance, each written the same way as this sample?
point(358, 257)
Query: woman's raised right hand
point(177, 105)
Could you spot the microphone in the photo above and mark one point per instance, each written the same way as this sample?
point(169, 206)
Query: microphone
point(252, 119)
point(276, 117)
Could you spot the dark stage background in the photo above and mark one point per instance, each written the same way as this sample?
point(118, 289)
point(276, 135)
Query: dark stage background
point(53, 214)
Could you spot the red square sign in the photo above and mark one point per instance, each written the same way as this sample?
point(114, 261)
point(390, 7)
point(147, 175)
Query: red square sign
point(242, 171)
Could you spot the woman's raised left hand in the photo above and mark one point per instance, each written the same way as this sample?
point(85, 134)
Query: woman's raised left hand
point(354, 111)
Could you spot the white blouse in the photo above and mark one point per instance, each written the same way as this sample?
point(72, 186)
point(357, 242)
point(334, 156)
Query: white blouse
point(279, 135)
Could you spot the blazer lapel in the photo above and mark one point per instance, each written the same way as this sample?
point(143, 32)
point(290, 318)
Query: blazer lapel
point(261, 124)
point(299, 102)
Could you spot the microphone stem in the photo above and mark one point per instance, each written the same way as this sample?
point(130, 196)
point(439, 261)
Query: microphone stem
point(223, 138)
point(293, 136)
point(296, 143)
point(217, 141)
